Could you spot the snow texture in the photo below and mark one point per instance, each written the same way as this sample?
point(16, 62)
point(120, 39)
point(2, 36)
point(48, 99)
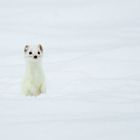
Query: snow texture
point(92, 65)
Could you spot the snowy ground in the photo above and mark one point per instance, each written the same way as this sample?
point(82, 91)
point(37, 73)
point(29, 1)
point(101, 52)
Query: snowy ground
point(92, 65)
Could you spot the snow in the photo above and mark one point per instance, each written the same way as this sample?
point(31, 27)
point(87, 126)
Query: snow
point(92, 65)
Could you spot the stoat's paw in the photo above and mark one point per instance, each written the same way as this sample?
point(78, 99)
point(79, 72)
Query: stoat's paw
point(35, 92)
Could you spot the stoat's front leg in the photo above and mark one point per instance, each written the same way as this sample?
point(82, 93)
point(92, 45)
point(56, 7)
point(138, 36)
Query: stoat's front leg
point(33, 91)
point(43, 88)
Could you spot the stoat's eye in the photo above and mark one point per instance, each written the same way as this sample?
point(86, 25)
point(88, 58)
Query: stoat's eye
point(30, 53)
point(38, 52)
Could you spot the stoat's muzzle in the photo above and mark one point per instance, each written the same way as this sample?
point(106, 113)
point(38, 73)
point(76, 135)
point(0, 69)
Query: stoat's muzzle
point(35, 57)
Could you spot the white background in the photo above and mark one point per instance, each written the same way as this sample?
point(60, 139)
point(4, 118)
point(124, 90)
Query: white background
point(92, 65)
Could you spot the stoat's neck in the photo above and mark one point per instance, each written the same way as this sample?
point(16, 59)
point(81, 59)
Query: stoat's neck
point(33, 66)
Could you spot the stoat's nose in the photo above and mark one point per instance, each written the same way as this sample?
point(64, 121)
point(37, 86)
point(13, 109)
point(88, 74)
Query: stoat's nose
point(35, 56)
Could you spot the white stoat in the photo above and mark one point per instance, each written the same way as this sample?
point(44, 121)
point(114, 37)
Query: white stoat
point(34, 80)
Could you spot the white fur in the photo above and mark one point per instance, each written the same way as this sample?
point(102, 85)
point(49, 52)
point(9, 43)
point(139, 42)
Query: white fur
point(34, 80)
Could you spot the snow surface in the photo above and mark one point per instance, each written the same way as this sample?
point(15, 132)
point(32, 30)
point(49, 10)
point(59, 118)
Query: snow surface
point(92, 65)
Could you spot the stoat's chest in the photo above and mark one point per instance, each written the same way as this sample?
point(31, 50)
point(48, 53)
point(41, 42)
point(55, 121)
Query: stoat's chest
point(34, 74)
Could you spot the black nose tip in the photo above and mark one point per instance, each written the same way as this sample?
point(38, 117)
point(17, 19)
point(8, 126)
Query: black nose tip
point(35, 56)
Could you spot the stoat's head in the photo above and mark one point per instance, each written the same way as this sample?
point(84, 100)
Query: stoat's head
point(33, 53)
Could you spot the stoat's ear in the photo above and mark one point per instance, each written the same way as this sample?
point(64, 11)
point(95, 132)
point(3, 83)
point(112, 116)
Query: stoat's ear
point(40, 47)
point(26, 48)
